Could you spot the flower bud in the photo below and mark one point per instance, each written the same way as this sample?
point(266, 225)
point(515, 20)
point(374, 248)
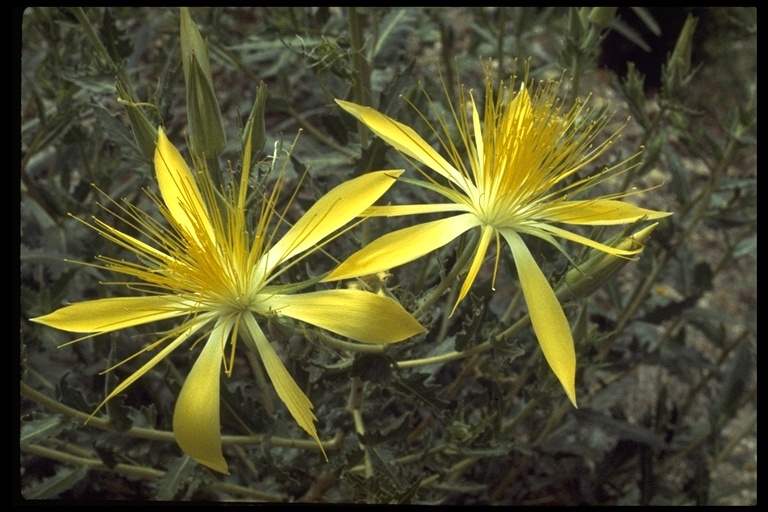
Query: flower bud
point(601, 267)
point(143, 131)
point(206, 129)
point(677, 72)
point(255, 131)
point(602, 17)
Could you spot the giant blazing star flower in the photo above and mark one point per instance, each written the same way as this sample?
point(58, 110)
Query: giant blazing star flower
point(218, 274)
point(512, 173)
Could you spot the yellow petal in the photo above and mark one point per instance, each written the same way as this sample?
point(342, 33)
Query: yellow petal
point(332, 211)
point(289, 392)
point(362, 316)
point(196, 424)
point(180, 192)
point(546, 230)
point(479, 144)
point(520, 110)
point(132, 244)
point(402, 246)
point(193, 328)
point(477, 261)
point(396, 210)
point(599, 212)
point(106, 315)
point(403, 139)
point(547, 316)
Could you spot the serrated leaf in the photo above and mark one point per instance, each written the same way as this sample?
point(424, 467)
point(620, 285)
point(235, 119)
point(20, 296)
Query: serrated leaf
point(414, 387)
point(73, 397)
point(62, 481)
point(471, 324)
point(399, 428)
point(177, 475)
point(42, 428)
point(144, 417)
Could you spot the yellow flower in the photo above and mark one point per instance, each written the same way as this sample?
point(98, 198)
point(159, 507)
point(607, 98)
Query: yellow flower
point(219, 275)
point(511, 174)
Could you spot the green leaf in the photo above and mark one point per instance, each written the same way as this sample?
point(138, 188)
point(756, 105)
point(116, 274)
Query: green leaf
point(178, 474)
point(73, 397)
point(416, 389)
point(471, 324)
point(42, 428)
point(51, 487)
point(398, 428)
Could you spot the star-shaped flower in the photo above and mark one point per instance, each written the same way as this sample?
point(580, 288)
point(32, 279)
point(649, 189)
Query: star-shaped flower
point(512, 173)
point(218, 274)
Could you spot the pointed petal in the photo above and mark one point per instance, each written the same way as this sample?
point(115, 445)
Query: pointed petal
point(196, 424)
point(193, 328)
point(403, 139)
point(107, 315)
point(331, 212)
point(520, 109)
point(362, 316)
point(396, 210)
point(180, 192)
point(479, 144)
point(289, 392)
point(547, 316)
point(477, 261)
point(132, 244)
point(599, 212)
point(545, 231)
point(402, 246)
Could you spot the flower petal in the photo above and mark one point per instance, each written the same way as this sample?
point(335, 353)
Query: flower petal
point(362, 316)
point(180, 192)
point(332, 211)
point(196, 424)
point(402, 246)
point(396, 210)
point(191, 330)
point(404, 139)
point(545, 231)
point(477, 261)
point(107, 315)
point(289, 392)
point(547, 316)
point(599, 212)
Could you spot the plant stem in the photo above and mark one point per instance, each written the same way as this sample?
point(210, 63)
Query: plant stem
point(166, 436)
point(361, 84)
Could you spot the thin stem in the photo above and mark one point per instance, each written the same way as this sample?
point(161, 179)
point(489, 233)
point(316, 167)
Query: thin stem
point(360, 348)
point(361, 84)
point(141, 472)
point(166, 436)
point(453, 355)
point(355, 407)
